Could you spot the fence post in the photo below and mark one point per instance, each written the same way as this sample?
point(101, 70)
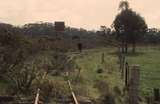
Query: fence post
point(156, 94)
point(102, 58)
point(37, 97)
point(122, 65)
point(126, 74)
point(78, 74)
point(148, 99)
point(134, 84)
point(73, 94)
point(120, 61)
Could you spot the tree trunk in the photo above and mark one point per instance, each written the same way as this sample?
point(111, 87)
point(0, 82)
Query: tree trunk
point(126, 47)
point(123, 50)
point(134, 46)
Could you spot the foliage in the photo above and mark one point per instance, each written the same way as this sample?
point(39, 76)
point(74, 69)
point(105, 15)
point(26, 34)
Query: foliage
point(102, 86)
point(52, 89)
point(19, 46)
point(35, 29)
point(12, 50)
point(21, 78)
point(15, 49)
point(129, 25)
point(61, 63)
point(123, 5)
point(108, 98)
point(152, 36)
point(99, 70)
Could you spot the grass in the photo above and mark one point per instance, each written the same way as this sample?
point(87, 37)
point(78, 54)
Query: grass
point(147, 57)
point(90, 62)
point(3, 87)
point(149, 61)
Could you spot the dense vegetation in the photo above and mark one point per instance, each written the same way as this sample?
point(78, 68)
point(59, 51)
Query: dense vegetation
point(35, 56)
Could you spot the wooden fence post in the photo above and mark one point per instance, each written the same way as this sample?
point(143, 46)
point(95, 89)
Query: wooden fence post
point(122, 65)
point(134, 84)
point(120, 60)
point(126, 74)
point(148, 99)
point(156, 94)
point(37, 97)
point(73, 94)
point(102, 58)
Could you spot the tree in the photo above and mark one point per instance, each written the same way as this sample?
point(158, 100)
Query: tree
point(15, 50)
point(152, 36)
point(9, 48)
point(35, 29)
point(21, 78)
point(123, 5)
point(105, 30)
point(128, 26)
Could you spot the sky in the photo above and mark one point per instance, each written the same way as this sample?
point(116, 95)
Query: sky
point(88, 14)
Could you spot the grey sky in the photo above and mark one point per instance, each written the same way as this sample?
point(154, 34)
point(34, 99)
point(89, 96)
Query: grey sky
point(88, 14)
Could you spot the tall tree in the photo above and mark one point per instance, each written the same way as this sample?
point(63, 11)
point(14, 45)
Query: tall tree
point(128, 25)
point(123, 5)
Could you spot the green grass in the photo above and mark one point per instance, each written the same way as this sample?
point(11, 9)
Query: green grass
point(149, 61)
point(90, 61)
point(147, 57)
point(3, 87)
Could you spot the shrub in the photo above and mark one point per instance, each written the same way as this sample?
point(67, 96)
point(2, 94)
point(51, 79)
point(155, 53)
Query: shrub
point(117, 91)
point(102, 86)
point(100, 70)
point(53, 89)
point(108, 99)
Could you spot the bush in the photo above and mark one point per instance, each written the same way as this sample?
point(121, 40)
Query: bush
point(21, 79)
point(52, 89)
point(81, 90)
point(61, 63)
point(108, 99)
point(117, 91)
point(100, 70)
point(102, 86)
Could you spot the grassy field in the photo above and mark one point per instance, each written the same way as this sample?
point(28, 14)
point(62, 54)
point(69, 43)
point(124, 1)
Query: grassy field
point(90, 62)
point(149, 60)
point(147, 57)
point(92, 83)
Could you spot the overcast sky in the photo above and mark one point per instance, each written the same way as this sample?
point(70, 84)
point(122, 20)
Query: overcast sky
point(89, 14)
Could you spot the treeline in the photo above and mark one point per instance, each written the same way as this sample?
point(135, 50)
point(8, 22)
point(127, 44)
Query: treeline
point(47, 30)
point(22, 68)
point(152, 36)
point(46, 37)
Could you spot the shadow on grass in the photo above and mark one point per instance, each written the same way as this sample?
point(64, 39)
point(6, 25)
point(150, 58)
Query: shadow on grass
point(130, 54)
